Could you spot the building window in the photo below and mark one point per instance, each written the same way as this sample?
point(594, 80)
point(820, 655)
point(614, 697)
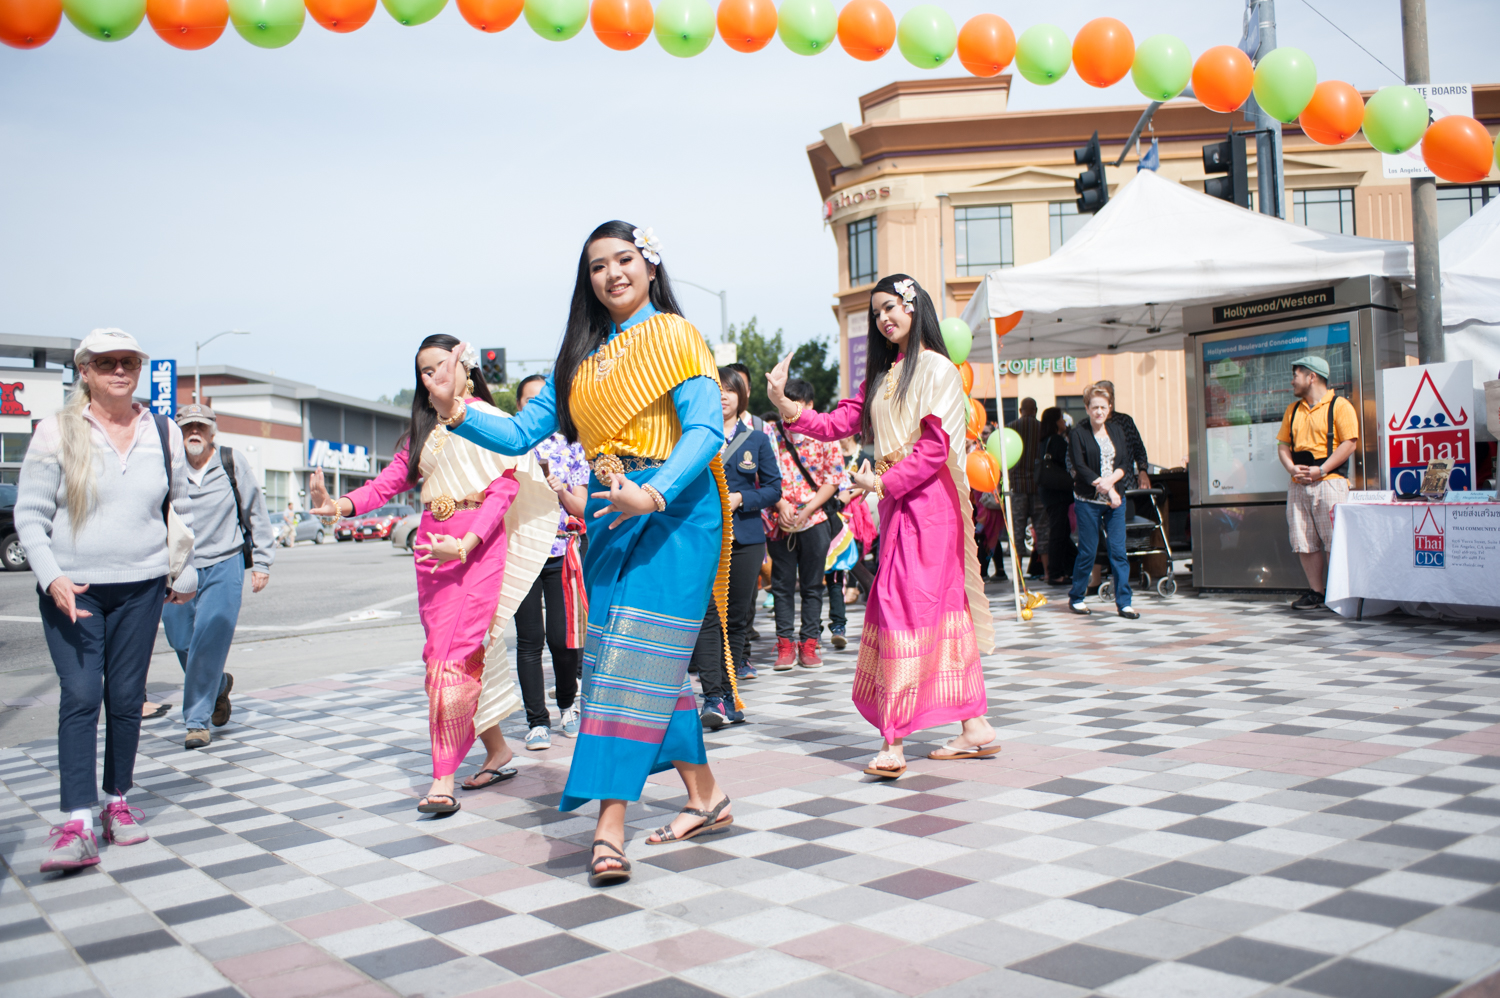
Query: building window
point(981, 239)
point(1329, 210)
point(862, 269)
point(1456, 204)
point(1072, 405)
point(13, 447)
point(1065, 222)
point(278, 489)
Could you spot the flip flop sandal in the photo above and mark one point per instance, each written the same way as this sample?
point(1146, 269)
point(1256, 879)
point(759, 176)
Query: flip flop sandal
point(498, 775)
point(884, 774)
point(604, 875)
point(946, 754)
point(447, 808)
point(711, 823)
point(162, 710)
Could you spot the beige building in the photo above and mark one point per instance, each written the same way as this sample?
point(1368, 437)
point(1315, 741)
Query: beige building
point(940, 171)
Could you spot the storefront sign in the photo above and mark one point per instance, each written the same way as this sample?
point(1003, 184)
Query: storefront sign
point(1423, 417)
point(859, 348)
point(10, 405)
point(335, 456)
point(852, 198)
point(1442, 100)
point(164, 388)
point(1040, 365)
point(1264, 307)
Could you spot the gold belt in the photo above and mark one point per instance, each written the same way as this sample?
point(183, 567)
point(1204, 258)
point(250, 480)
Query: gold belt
point(618, 464)
point(445, 506)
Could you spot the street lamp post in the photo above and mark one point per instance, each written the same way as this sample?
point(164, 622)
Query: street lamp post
point(723, 306)
point(198, 349)
point(942, 268)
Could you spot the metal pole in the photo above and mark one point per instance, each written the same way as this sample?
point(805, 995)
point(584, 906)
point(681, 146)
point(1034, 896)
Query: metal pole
point(1270, 192)
point(724, 315)
point(197, 382)
point(1010, 533)
point(1424, 234)
point(942, 266)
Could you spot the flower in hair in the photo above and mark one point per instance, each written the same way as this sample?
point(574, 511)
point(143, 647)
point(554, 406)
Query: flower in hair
point(649, 244)
point(470, 357)
point(908, 292)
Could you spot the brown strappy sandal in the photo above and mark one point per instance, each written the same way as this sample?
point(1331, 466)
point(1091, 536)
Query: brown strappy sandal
point(604, 875)
point(711, 823)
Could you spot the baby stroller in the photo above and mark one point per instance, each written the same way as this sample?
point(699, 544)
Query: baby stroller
point(1147, 548)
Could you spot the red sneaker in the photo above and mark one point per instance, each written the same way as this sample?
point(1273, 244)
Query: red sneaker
point(786, 654)
point(120, 825)
point(807, 654)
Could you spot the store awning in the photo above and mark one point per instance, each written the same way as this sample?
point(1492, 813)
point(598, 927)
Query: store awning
point(1119, 284)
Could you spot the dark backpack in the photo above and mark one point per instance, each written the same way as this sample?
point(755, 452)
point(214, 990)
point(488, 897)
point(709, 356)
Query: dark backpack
point(247, 542)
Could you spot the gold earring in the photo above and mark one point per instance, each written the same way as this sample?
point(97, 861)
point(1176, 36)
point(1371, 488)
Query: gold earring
point(468, 387)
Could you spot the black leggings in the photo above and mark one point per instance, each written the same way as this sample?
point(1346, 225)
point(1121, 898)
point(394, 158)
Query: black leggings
point(708, 654)
point(530, 635)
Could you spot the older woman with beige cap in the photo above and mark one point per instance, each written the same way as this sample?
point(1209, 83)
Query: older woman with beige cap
point(99, 483)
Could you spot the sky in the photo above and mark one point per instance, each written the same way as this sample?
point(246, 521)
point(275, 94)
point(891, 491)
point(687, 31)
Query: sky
point(347, 195)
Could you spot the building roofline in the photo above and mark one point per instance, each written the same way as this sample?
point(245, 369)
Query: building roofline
point(941, 85)
point(59, 349)
point(257, 383)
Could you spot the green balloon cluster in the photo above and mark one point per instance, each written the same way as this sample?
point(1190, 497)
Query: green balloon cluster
point(958, 338)
point(411, 12)
point(1010, 440)
point(267, 24)
point(684, 27)
point(807, 27)
point(1043, 54)
point(1162, 68)
point(1284, 83)
point(1395, 119)
point(557, 20)
point(927, 36)
point(105, 20)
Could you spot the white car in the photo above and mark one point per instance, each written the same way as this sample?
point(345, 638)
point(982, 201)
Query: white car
point(404, 533)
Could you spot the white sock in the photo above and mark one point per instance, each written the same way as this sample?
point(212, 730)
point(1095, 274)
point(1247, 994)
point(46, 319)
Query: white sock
point(120, 798)
point(83, 814)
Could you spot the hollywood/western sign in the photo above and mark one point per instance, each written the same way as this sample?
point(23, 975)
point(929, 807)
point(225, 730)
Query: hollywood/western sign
point(1424, 415)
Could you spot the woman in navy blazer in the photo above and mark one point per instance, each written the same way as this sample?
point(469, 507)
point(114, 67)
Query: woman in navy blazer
point(754, 480)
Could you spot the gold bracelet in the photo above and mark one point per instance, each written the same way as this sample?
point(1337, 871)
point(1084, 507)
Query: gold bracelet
point(460, 410)
point(879, 487)
point(463, 552)
point(656, 497)
point(800, 407)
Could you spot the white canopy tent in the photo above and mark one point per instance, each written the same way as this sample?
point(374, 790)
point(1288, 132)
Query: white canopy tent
point(1470, 257)
point(1120, 283)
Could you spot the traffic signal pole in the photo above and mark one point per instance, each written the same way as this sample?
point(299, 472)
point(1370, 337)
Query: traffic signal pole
point(1423, 200)
point(1271, 192)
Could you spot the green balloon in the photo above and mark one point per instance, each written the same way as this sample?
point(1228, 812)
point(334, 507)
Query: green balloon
point(1395, 119)
point(1043, 54)
point(684, 27)
point(1284, 83)
point(807, 27)
point(1162, 68)
point(927, 36)
point(1013, 446)
point(557, 20)
point(958, 338)
point(411, 12)
point(269, 24)
point(106, 20)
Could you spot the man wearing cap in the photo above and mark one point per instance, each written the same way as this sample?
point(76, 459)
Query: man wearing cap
point(1318, 433)
point(233, 533)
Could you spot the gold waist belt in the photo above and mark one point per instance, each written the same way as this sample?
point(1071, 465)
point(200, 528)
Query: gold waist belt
point(618, 464)
point(445, 506)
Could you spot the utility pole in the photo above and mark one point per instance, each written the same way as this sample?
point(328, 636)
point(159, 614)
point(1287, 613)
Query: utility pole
point(1424, 235)
point(197, 352)
point(723, 306)
point(1270, 192)
point(942, 266)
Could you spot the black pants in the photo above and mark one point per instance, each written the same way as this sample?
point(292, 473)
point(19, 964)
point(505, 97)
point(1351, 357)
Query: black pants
point(1061, 551)
point(708, 653)
point(101, 659)
point(838, 620)
point(530, 634)
point(797, 563)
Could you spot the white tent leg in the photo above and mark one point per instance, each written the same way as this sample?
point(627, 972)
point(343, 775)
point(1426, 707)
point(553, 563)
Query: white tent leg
point(1010, 531)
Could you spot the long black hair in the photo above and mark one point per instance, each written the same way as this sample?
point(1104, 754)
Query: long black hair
point(589, 321)
point(881, 353)
point(423, 416)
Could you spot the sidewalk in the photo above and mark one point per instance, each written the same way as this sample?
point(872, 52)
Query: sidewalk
point(1223, 799)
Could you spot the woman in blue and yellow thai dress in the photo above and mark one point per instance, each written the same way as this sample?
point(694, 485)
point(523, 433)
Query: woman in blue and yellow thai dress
point(640, 392)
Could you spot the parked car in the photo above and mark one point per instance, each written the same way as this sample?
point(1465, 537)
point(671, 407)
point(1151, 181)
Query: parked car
point(377, 525)
point(12, 554)
point(404, 534)
point(309, 528)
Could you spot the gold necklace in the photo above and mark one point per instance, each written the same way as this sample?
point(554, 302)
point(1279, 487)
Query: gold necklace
point(890, 379)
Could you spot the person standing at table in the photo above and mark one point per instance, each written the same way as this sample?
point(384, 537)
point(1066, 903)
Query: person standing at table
point(1318, 433)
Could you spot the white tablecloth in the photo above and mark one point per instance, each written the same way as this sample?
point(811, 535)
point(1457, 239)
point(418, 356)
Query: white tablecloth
point(1430, 559)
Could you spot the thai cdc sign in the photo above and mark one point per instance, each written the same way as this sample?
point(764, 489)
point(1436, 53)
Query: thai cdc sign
point(164, 388)
point(1424, 415)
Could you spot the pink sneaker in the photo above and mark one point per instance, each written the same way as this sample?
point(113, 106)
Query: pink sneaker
point(120, 825)
point(72, 847)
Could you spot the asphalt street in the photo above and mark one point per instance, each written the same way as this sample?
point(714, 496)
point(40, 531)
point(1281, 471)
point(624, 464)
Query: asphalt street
point(328, 609)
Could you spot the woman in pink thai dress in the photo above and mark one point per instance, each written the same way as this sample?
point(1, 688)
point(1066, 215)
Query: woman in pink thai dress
point(927, 620)
point(487, 529)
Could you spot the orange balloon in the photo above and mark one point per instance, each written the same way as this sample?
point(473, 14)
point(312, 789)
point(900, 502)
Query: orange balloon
point(1334, 114)
point(966, 374)
point(1222, 78)
point(489, 16)
point(1103, 51)
point(867, 29)
point(342, 16)
point(622, 24)
point(188, 24)
point(986, 45)
point(747, 25)
point(1457, 149)
point(984, 471)
point(976, 419)
point(29, 24)
point(1006, 323)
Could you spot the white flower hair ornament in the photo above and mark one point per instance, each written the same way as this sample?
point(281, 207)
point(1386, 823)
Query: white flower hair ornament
point(470, 357)
point(908, 292)
point(650, 245)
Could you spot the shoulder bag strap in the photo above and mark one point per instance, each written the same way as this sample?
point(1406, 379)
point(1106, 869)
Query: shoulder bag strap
point(831, 508)
point(166, 458)
point(226, 458)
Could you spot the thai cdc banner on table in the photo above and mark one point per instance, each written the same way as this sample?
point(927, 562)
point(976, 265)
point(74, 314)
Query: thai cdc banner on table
point(164, 388)
point(1425, 414)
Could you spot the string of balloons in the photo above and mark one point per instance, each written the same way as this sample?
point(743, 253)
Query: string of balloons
point(1285, 83)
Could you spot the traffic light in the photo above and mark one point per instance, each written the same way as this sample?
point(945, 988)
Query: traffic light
point(1093, 190)
point(1228, 157)
point(492, 365)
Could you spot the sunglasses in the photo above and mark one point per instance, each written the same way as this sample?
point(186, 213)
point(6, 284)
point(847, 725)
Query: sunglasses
point(107, 365)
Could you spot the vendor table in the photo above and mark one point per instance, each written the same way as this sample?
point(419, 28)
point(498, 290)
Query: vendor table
point(1429, 559)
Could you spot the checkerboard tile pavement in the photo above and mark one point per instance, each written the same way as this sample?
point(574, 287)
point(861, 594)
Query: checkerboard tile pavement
point(1223, 798)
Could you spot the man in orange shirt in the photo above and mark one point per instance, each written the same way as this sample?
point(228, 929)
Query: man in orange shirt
point(1318, 434)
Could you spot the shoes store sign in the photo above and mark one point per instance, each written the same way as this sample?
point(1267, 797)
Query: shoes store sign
point(334, 456)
